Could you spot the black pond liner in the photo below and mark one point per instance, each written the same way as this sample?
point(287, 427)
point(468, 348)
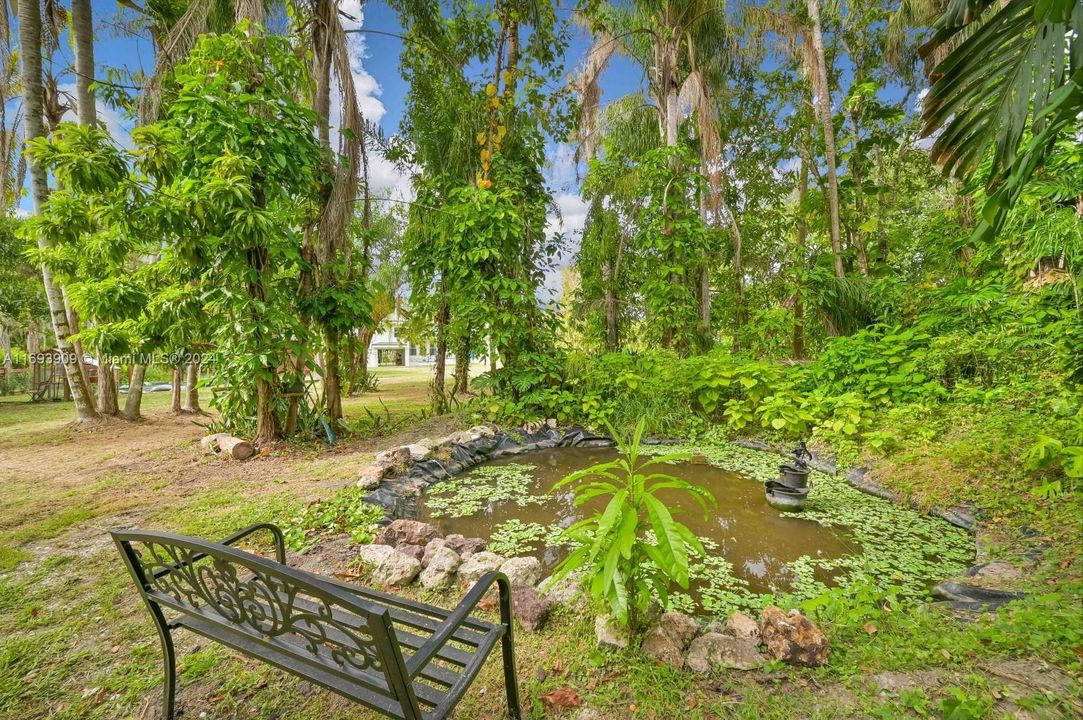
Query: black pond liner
point(399, 495)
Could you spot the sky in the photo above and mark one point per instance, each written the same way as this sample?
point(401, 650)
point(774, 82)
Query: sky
point(382, 90)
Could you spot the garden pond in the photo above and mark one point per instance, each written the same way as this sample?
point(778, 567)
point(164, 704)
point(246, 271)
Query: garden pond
point(753, 552)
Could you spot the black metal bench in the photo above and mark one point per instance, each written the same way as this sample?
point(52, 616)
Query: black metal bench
point(403, 659)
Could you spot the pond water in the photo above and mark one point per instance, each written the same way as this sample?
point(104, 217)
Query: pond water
point(508, 502)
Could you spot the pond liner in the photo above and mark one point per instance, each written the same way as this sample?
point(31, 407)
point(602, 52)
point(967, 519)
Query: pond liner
point(959, 596)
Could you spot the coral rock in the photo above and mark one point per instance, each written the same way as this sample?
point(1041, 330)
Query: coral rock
point(792, 638)
point(407, 532)
point(715, 651)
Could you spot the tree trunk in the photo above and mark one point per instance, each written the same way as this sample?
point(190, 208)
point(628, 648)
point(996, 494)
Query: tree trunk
point(107, 390)
point(612, 328)
point(439, 399)
point(332, 380)
point(821, 98)
point(178, 375)
point(799, 259)
point(363, 340)
point(5, 345)
point(82, 27)
point(135, 392)
point(266, 422)
point(33, 99)
point(856, 174)
point(462, 366)
point(191, 397)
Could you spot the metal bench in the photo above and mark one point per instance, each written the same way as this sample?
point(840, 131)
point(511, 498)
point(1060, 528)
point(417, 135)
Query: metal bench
point(400, 658)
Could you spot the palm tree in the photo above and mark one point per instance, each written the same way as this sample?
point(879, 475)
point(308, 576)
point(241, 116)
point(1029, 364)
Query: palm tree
point(34, 102)
point(1006, 75)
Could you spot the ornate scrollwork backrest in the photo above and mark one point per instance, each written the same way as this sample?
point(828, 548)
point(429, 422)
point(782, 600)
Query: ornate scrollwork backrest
point(254, 597)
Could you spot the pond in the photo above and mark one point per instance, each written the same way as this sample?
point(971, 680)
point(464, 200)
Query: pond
point(753, 552)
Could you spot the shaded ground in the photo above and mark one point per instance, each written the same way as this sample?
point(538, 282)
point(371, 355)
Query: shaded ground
point(75, 642)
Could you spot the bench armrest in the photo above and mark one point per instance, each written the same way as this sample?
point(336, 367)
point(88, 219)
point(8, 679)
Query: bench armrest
point(276, 534)
point(459, 615)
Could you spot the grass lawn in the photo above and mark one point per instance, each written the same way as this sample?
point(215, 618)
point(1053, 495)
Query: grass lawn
point(75, 642)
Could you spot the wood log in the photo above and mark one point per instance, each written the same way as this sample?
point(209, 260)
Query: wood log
point(226, 444)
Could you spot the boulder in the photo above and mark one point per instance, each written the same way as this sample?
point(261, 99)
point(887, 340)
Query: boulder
point(430, 550)
point(481, 431)
point(407, 532)
point(611, 635)
point(522, 571)
point(397, 458)
point(418, 452)
point(465, 546)
point(415, 551)
point(742, 625)
point(477, 565)
point(388, 566)
point(441, 568)
point(368, 482)
point(792, 638)
point(678, 626)
point(530, 607)
point(567, 591)
point(668, 638)
point(660, 646)
point(715, 651)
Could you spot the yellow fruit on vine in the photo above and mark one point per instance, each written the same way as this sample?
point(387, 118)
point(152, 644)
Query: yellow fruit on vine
point(481, 138)
point(490, 90)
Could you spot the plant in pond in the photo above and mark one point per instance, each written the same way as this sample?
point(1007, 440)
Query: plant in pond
point(625, 566)
point(470, 493)
point(514, 537)
point(345, 512)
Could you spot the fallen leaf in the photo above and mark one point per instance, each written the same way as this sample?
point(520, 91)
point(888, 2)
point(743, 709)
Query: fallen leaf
point(561, 698)
point(870, 629)
point(946, 654)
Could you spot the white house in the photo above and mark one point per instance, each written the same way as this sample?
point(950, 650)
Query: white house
point(387, 348)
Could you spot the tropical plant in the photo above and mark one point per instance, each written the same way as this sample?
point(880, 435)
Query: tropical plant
point(633, 550)
point(1006, 76)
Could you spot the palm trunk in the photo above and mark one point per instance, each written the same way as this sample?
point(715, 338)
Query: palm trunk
point(859, 198)
point(821, 97)
point(612, 328)
point(33, 98)
point(799, 260)
point(191, 396)
point(135, 392)
point(107, 390)
point(82, 29)
point(332, 387)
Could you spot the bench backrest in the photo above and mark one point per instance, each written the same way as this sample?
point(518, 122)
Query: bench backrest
point(287, 617)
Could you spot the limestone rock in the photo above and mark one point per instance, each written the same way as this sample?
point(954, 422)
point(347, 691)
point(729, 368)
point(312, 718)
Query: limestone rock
point(465, 546)
point(441, 568)
point(389, 567)
point(567, 591)
point(397, 458)
point(678, 626)
point(792, 638)
point(430, 550)
point(742, 625)
point(477, 565)
point(663, 648)
point(522, 571)
point(481, 431)
point(368, 482)
point(418, 452)
point(415, 551)
point(610, 634)
point(407, 532)
point(715, 651)
point(530, 607)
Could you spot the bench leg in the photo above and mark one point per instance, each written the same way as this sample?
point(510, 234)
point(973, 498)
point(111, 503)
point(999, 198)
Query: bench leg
point(507, 650)
point(169, 657)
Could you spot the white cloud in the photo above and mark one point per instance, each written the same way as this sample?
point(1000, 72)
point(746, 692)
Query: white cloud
point(118, 127)
point(571, 220)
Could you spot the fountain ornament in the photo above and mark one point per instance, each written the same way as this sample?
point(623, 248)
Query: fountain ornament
point(790, 492)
